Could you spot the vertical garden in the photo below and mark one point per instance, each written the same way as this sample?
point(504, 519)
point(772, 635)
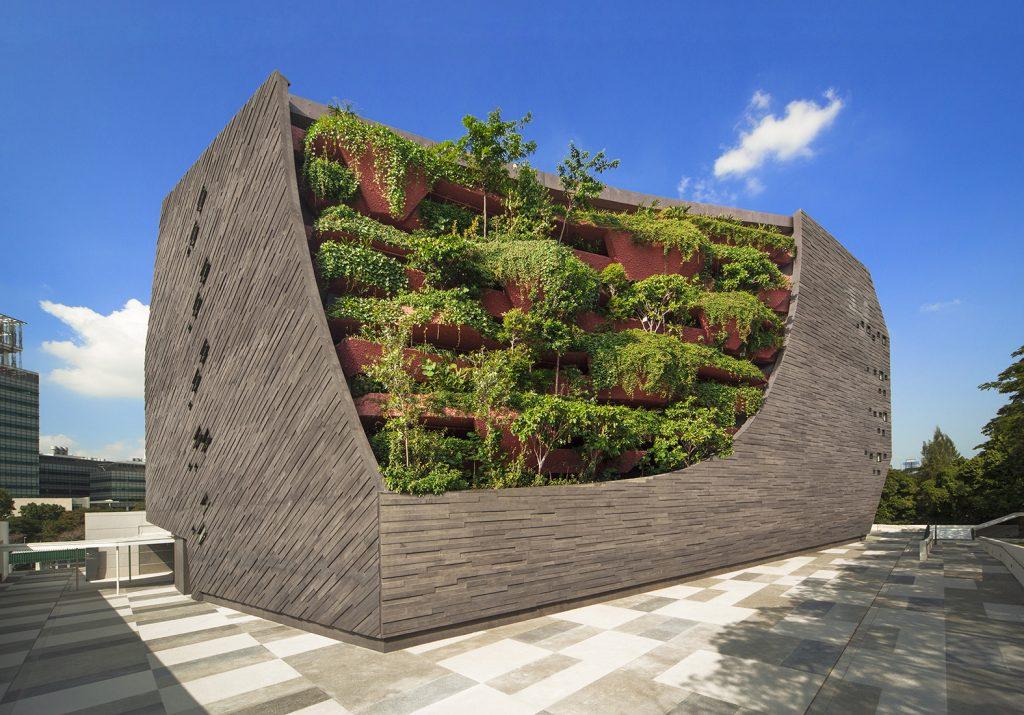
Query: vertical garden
point(496, 333)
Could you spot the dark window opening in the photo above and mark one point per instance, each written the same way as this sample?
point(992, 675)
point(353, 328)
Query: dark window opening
point(196, 305)
point(202, 200)
point(204, 272)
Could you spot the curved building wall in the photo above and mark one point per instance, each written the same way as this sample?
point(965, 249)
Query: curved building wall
point(277, 498)
point(295, 523)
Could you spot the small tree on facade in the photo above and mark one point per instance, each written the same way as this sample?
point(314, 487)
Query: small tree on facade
point(578, 175)
point(489, 146)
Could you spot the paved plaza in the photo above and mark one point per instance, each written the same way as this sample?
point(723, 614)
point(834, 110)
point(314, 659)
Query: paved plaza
point(863, 627)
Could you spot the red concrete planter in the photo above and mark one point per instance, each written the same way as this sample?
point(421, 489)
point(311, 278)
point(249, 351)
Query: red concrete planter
point(357, 354)
point(454, 337)
point(732, 341)
point(590, 321)
point(777, 299)
point(518, 296)
point(470, 198)
point(694, 335)
point(765, 355)
point(586, 235)
point(595, 260)
point(642, 260)
point(415, 278)
point(495, 302)
point(780, 256)
point(371, 407)
point(389, 249)
point(298, 140)
point(342, 328)
point(373, 198)
point(719, 375)
point(626, 462)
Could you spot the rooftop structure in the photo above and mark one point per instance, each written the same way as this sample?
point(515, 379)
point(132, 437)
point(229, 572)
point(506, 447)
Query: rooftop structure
point(265, 411)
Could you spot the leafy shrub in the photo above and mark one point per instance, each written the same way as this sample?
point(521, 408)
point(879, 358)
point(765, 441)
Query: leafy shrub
point(393, 154)
point(329, 180)
point(728, 401)
point(448, 260)
point(636, 359)
point(685, 435)
point(731, 230)
point(751, 316)
point(556, 281)
point(441, 218)
point(656, 301)
point(653, 227)
point(365, 230)
point(361, 265)
point(745, 268)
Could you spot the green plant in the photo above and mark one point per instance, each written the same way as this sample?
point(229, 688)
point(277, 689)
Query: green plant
point(749, 315)
point(685, 435)
point(448, 260)
point(578, 175)
point(329, 180)
point(609, 431)
point(455, 306)
point(547, 423)
point(656, 301)
point(728, 401)
point(732, 230)
point(653, 227)
point(639, 360)
point(557, 283)
point(489, 146)
point(441, 217)
point(745, 268)
point(529, 212)
point(361, 265)
point(342, 219)
point(392, 155)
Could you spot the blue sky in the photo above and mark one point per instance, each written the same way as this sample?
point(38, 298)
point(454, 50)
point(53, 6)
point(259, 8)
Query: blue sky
point(917, 170)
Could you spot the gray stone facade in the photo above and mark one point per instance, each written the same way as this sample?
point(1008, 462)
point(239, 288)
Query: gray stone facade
point(263, 469)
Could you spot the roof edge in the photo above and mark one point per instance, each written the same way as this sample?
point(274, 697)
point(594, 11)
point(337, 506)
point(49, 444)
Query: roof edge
point(611, 197)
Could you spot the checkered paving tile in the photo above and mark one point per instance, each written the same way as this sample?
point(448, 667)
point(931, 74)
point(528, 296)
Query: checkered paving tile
point(859, 627)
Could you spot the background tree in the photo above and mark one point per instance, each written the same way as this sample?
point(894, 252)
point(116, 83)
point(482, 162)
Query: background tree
point(489, 147)
point(6, 504)
point(578, 176)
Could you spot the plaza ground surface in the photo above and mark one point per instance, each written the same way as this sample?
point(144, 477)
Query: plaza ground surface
point(863, 627)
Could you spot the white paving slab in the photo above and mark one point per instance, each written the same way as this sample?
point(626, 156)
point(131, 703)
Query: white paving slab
point(490, 661)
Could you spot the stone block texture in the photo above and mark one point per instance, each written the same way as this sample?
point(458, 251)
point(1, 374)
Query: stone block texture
point(258, 462)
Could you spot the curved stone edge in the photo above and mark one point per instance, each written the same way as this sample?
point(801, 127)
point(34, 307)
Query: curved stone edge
point(290, 484)
point(799, 477)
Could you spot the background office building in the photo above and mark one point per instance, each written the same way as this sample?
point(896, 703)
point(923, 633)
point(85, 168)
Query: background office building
point(118, 482)
point(102, 480)
point(19, 415)
point(64, 475)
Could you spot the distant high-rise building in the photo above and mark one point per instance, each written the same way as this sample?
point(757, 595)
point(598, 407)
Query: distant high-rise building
point(911, 463)
point(19, 415)
point(65, 475)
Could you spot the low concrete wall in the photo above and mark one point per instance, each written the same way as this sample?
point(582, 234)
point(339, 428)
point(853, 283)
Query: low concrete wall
point(1011, 555)
point(142, 560)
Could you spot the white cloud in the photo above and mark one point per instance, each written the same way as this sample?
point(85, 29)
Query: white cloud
point(940, 306)
point(704, 191)
point(754, 185)
point(106, 357)
point(781, 139)
point(123, 449)
point(46, 441)
point(760, 100)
